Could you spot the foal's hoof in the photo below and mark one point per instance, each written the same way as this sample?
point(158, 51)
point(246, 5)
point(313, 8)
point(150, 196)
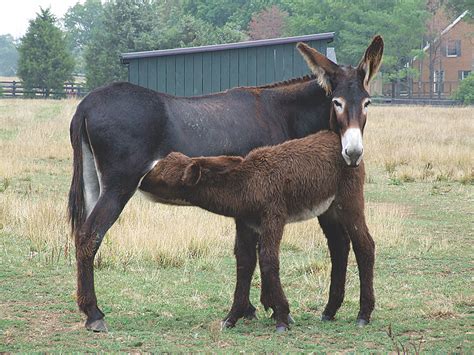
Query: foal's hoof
point(362, 322)
point(326, 318)
point(250, 313)
point(228, 323)
point(251, 316)
point(97, 326)
point(281, 328)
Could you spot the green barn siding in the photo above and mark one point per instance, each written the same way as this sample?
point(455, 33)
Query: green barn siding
point(225, 73)
point(198, 73)
point(243, 69)
point(161, 72)
point(234, 69)
point(206, 73)
point(170, 75)
point(188, 75)
point(216, 72)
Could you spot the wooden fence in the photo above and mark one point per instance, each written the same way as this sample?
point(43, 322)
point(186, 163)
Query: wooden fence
point(420, 89)
point(15, 89)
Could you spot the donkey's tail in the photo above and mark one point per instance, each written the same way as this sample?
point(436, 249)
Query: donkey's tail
point(76, 205)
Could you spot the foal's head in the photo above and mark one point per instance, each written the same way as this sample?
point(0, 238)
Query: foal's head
point(348, 87)
point(177, 171)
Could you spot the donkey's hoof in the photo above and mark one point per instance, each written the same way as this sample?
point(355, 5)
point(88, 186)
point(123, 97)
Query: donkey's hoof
point(362, 322)
point(281, 328)
point(228, 323)
point(290, 318)
point(326, 318)
point(98, 326)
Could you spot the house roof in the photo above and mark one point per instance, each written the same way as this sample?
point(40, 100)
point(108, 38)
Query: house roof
point(447, 29)
point(219, 47)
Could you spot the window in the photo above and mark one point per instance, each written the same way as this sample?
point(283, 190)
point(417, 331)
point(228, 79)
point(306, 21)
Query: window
point(463, 74)
point(453, 48)
point(438, 78)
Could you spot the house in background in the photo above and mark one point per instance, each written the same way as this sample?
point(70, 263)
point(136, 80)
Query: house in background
point(447, 60)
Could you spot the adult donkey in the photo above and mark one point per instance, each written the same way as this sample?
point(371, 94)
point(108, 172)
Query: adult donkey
point(120, 131)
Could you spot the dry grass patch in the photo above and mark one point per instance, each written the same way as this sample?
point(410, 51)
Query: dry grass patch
point(35, 168)
point(421, 143)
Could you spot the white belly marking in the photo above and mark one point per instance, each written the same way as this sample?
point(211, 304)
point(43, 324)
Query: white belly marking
point(312, 213)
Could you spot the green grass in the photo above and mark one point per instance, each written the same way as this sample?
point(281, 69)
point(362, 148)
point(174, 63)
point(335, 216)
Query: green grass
point(174, 301)
point(423, 289)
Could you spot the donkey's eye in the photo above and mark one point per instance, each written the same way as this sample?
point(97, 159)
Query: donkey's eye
point(367, 103)
point(337, 103)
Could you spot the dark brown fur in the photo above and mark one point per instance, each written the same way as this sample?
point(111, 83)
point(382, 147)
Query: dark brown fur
point(264, 191)
point(120, 130)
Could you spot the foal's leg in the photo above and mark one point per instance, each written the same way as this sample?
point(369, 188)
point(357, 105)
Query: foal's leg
point(364, 250)
point(87, 241)
point(339, 245)
point(245, 251)
point(268, 254)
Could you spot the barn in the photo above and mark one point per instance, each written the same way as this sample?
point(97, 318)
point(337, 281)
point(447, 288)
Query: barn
point(208, 69)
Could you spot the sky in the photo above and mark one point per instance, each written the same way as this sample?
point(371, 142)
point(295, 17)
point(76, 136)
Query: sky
point(15, 14)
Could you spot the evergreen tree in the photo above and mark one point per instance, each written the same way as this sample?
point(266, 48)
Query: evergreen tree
point(44, 60)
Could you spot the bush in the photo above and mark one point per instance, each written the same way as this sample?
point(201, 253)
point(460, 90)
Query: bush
point(465, 91)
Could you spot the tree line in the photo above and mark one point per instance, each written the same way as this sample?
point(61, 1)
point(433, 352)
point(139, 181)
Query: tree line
point(91, 36)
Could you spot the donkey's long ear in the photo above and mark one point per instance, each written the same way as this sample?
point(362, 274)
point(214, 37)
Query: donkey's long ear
point(321, 66)
point(192, 174)
point(372, 59)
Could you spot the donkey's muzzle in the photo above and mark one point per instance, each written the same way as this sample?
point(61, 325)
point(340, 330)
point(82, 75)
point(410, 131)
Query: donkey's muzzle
point(353, 157)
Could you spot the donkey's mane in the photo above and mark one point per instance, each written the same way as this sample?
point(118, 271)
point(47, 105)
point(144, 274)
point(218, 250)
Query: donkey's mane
point(292, 81)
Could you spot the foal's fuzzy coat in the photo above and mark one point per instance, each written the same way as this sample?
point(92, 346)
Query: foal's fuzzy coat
point(270, 187)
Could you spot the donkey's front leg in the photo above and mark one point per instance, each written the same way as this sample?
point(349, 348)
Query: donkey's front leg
point(268, 253)
point(364, 249)
point(245, 251)
point(87, 242)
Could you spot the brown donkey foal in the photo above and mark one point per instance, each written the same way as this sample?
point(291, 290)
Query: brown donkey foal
point(270, 187)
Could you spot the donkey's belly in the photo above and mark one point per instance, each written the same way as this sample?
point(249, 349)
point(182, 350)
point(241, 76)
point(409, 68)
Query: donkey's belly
point(314, 212)
point(155, 198)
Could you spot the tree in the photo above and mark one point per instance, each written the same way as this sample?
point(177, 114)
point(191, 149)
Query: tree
point(457, 7)
point(401, 23)
point(123, 22)
point(8, 55)
point(44, 60)
point(267, 23)
point(139, 25)
point(465, 91)
point(80, 22)
point(221, 12)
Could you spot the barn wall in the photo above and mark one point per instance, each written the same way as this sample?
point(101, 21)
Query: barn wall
point(203, 73)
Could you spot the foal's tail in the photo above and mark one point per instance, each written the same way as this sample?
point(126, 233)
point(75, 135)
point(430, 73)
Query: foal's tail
point(76, 205)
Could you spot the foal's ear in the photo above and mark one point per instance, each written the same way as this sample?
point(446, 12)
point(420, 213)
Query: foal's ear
point(372, 59)
point(321, 66)
point(226, 163)
point(192, 174)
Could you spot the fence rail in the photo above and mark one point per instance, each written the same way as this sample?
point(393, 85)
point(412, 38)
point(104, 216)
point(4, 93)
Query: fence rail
point(15, 89)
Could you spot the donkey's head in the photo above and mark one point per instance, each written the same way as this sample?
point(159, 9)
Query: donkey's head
point(348, 87)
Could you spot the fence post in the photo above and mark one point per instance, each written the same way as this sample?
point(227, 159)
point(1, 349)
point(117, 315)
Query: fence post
point(14, 88)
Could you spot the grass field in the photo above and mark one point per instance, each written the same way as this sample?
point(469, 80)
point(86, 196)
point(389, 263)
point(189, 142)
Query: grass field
point(165, 275)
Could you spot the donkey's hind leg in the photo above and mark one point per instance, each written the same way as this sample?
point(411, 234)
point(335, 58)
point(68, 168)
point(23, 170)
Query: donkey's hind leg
point(107, 209)
point(339, 245)
point(268, 257)
point(364, 250)
point(245, 251)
